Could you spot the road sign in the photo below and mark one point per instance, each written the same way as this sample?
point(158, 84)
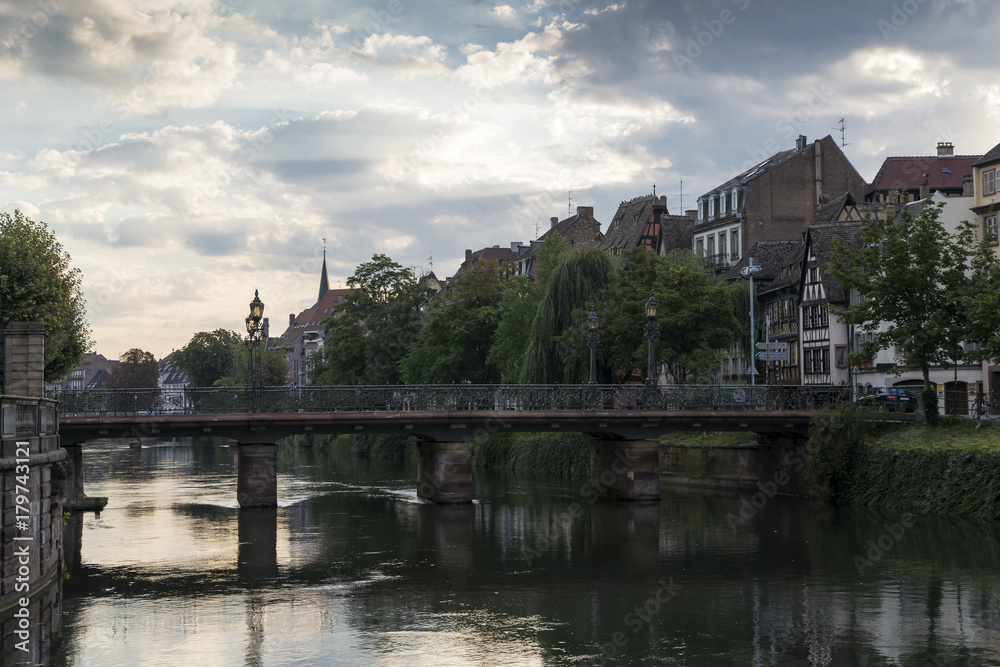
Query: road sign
point(773, 356)
point(752, 371)
point(773, 347)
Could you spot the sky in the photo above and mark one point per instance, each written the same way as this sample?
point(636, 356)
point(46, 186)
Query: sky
point(188, 152)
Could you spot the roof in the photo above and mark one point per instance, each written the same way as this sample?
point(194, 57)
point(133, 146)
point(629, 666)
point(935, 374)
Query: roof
point(314, 316)
point(630, 221)
point(170, 371)
point(496, 254)
point(909, 173)
point(763, 167)
point(992, 155)
point(770, 256)
point(821, 237)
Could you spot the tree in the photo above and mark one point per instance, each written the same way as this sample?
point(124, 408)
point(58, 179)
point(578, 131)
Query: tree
point(274, 368)
point(518, 308)
point(575, 282)
point(38, 285)
point(696, 316)
point(370, 333)
point(208, 356)
point(459, 329)
point(135, 369)
point(916, 284)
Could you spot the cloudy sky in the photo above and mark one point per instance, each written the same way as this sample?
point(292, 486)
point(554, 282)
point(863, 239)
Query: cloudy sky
point(187, 152)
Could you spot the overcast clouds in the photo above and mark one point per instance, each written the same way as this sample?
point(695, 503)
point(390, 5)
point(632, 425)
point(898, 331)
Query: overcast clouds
point(187, 152)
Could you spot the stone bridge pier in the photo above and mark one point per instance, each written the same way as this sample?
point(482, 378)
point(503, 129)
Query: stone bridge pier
point(444, 472)
point(257, 475)
point(625, 469)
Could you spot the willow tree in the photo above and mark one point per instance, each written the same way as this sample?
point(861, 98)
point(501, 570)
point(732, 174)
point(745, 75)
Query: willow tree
point(576, 282)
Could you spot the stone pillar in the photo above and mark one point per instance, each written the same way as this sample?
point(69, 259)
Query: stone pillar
point(24, 359)
point(625, 469)
point(72, 485)
point(257, 476)
point(444, 472)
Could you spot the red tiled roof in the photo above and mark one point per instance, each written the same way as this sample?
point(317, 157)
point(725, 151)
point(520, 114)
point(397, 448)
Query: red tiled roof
point(906, 173)
point(315, 315)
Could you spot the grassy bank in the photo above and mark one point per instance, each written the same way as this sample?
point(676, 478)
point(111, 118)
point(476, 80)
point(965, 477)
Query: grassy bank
point(952, 468)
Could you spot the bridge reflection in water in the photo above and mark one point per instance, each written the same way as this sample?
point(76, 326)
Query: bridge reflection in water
point(357, 571)
point(447, 419)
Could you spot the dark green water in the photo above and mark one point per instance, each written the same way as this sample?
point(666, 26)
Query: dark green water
point(353, 570)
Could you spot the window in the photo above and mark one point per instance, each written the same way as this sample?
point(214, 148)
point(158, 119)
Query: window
point(722, 244)
point(734, 243)
point(826, 359)
point(989, 182)
point(699, 246)
point(739, 200)
point(806, 318)
point(814, 275)
point(729, 203)
point(807, 357)
point(990, 229)
point(841, 356)
point(945, 170)
point(711, 246)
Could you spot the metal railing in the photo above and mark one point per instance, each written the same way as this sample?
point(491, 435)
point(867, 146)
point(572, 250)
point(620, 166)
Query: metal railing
point(403, 398)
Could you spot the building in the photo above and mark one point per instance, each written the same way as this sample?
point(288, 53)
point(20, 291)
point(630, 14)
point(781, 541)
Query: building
point(172, 380)
point(986, 204)
point(774, 199)
point(580, 231)
point(305, 332)
point(92, 372)
point(918, 176)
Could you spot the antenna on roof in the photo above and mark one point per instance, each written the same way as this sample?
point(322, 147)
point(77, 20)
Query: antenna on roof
point(681, 195)
point(430, 261)
point(569, 204)
point(842, 126)
point(654, 189)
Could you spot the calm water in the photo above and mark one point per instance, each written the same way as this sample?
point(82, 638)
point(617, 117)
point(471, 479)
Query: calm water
point(353, 570)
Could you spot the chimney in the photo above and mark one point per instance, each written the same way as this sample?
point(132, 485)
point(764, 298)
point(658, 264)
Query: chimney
point(663, 200)
point(925, 189)
point(515, 246)
point(468, 255)
point(692, 213)
point(967, 190)
point(945, 149)
point(267, 330)
point(801, 142)
point(554, 221)
point(291, 319)
point(585, 211)
point(818, 152)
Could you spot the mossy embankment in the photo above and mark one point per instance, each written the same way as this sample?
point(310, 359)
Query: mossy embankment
point(952, 468)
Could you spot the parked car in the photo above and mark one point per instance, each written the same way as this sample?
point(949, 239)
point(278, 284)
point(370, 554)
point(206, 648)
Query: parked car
point(892, 399)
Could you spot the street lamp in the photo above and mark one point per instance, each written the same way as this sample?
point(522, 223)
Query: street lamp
point(255, 384)
point(652, 331)
point(749, 270)
point(593, 340)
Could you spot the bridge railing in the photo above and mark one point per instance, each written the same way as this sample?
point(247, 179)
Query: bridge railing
point(401, 398)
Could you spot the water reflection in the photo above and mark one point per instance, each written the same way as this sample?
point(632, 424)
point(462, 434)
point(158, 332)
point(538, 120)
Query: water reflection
point(353, 569)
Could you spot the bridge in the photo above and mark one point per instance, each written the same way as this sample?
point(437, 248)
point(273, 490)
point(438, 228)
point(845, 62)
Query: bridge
point(623, 421)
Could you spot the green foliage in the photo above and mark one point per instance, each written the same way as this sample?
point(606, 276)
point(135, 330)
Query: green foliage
point(208, 356)
point(541, 453)
point(940, 474)
point(574, 284)
point(274, 368)
point(834, 434)
point(135, 368)
point(459, 329)
point(370, 333)
point(518, 308)
point(931, 411)
point(38, 285)
point(917, 283)
point(695, 317)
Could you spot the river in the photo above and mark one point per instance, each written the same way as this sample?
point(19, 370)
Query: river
point(353, 569)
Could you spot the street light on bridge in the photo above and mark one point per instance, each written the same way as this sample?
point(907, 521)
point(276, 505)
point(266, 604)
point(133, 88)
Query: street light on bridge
point(255, 384)
point(651, 333)
point(593, 341)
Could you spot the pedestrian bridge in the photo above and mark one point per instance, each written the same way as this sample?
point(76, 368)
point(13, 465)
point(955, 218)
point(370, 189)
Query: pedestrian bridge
point(624, 422)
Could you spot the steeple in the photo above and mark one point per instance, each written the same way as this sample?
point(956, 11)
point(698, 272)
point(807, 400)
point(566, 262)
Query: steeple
point(324, 282)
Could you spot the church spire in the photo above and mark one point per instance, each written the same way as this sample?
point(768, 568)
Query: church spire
point(324, 282)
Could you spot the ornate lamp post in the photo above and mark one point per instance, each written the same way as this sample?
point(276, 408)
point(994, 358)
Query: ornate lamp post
point(750, 270)
point(651, 333)
point(255, 384)
point(593, 341)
